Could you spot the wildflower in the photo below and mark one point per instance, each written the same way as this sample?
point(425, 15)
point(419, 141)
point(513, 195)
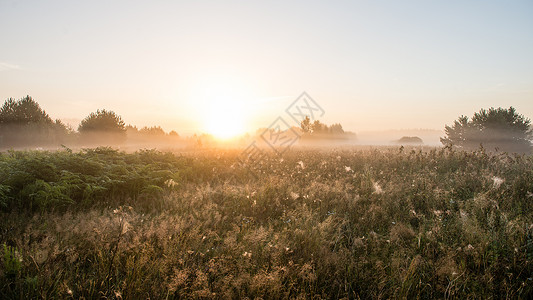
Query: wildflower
point(171, 183)
point(125, 227)
point(497, 181)
point(377, 189)
point(358, 243)
point(348, 169)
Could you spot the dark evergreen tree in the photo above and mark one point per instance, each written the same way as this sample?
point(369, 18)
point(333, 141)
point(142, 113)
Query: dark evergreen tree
point(495, 128)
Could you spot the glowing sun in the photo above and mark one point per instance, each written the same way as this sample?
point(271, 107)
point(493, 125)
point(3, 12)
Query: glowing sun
point(225, 118)
point(223, 100)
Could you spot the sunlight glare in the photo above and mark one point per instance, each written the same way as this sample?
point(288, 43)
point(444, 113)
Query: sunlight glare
point(224, 105)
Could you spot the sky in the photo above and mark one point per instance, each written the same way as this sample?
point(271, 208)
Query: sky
point(188, 65)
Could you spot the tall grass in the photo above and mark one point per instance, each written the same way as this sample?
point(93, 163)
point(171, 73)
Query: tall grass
point(382, 223)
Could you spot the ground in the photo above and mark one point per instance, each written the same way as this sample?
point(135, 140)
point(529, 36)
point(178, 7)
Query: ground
point(345, 223)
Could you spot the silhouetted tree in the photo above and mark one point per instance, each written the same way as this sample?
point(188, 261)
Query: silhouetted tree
point(103, 121)
point(306, 125)
point(318, 127)
point(318, 130)
point(154, 131)
point(336, 129)
point(24, 123)
point(103, 126)
point(23, 111)
point(499, 128)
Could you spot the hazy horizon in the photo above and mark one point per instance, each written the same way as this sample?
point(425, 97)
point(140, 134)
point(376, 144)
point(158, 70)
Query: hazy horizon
point(189, 66)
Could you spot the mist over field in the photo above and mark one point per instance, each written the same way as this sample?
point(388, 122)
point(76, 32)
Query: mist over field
point(266, 150)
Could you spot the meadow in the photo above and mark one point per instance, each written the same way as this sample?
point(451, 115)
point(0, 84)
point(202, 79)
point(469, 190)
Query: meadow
point(338, 223)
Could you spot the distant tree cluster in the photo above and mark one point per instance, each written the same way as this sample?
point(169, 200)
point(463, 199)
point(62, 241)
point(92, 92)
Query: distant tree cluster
point(24, 123)
point(318, 129)
point(102, 126)
point(494, 129)
point(152, 133)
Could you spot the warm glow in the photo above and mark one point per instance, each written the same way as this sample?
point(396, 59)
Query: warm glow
point(223, 102)
point(225, 119)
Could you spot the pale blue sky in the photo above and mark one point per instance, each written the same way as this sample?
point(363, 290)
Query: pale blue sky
point(370, 64)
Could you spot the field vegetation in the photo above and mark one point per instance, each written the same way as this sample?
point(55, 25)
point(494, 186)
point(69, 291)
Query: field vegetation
point(346, 223)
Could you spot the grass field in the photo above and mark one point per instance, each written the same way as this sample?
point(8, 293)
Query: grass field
point(366, 223)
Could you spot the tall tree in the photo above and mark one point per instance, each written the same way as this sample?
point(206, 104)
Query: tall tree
point(306, 124)
point(499, 128)
point(103, 127)
point(23, 111)
point(24, 123)
point(102, 121)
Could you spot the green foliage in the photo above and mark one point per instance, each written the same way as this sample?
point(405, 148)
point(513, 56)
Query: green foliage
point(12, 261)
point(375, 223)
point(500, 128)
point(34, 179)
point(4, 195)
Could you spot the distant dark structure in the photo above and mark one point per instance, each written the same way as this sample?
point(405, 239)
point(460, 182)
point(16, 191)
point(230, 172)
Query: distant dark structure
point(410, 140)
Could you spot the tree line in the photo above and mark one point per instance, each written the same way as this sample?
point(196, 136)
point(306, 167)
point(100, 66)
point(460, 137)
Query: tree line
point(24, 123)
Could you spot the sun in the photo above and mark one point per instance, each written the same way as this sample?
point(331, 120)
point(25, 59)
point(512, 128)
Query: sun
point(223, 102)
point(225, 119)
